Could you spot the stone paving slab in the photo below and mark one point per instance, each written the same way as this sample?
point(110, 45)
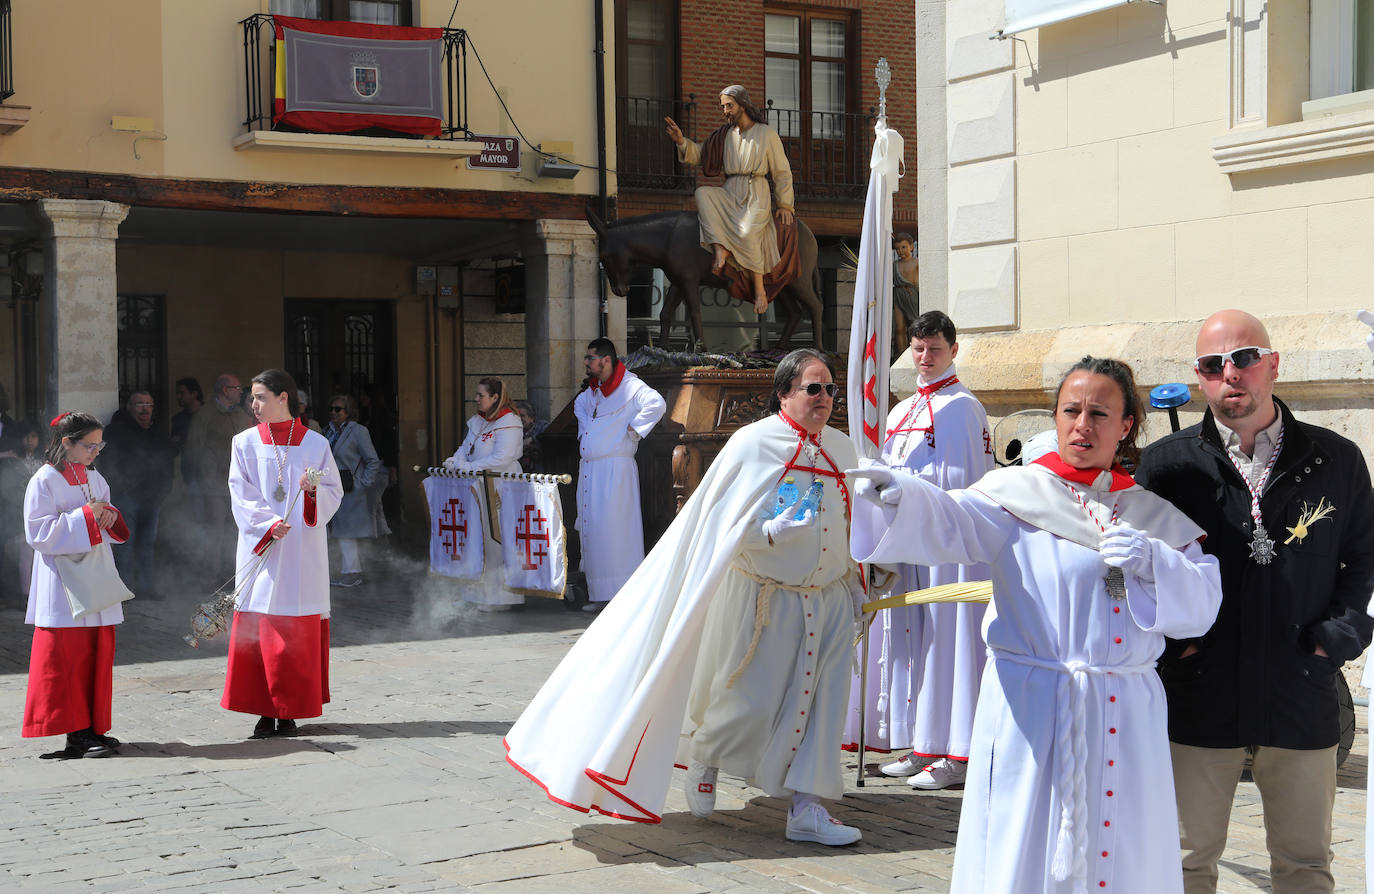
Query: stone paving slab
point(402, 784)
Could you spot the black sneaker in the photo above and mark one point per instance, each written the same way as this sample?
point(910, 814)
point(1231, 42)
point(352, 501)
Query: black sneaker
point(85, 743)
point(264, 728)
point(286, 727)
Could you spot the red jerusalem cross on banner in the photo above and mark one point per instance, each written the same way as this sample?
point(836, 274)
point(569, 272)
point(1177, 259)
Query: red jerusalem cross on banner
point(531, 531)
point(455, 534)
point(532, 543)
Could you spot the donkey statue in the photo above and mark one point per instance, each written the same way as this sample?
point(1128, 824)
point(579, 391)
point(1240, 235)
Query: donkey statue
point(671, 241)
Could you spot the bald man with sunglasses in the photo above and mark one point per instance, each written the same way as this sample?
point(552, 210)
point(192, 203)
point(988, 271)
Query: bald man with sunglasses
point(1289, 513)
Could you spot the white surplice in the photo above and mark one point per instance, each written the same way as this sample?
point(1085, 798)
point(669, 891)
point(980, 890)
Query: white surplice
point(293, 578)
point(605, 729)
point(1070, 751)
point(494, 445)
point(925, 662)
point(609, 429)
point(56, 522)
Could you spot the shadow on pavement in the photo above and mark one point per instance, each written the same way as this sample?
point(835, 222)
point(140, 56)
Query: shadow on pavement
point(891, 822)
point(228, 751)
point(408, 729)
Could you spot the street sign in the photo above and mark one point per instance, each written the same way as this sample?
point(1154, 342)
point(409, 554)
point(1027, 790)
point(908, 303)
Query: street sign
point(498, 154)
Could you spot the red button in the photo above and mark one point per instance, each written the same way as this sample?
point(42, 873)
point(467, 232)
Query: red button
point(807, 692)
point(1107, 823)
point(1117, 609)
point(808, 653)
point(1112, 731)
point(798, 730)
point(1111, 698)
point(1118, 640)
point(1109, 793)
point(808, 673)
point(1111, 763)
point(1104, 853)
point(1102, 884)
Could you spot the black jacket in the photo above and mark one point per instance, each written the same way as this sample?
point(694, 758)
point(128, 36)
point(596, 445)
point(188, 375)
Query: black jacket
point(136, 461)
point(1256, 679)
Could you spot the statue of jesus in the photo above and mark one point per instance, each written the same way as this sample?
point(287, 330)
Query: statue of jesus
point(737, 219)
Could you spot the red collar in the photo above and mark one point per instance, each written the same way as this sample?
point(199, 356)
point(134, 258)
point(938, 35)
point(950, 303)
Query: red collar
point(276, 432)
point(506, 412)
point(74, 474)
point(927, 390)
point(1120, 478)
point(801, 432)
point(607, 388)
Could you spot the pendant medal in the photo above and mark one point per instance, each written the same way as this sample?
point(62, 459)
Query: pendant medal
point(1261, 547)
point(1116, 583)
point(279, 494)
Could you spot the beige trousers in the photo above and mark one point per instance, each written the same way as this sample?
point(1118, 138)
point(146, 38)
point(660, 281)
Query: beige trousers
point(1298, 791)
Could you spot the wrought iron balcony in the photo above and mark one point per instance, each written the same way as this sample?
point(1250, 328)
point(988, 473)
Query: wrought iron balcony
point(645, 157)
point(6, 53)
point(829, 151)
point(259, 65)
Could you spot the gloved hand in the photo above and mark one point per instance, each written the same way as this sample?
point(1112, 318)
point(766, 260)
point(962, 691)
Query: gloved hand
point(1126, 548)
point(787, 525)
point(1367, 318)
point(451, 464)
point(876, 484)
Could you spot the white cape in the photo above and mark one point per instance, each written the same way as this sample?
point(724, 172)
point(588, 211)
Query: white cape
point(603, 732)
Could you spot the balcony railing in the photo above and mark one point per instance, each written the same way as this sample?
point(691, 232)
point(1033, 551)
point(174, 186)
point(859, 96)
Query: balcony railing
point(645, 157)
point(829, 151)
point(259, 64)
point(6, 53)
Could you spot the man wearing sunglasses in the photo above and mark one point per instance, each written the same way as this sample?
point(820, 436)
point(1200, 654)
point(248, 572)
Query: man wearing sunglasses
point(1289, 513)
point(926, 661)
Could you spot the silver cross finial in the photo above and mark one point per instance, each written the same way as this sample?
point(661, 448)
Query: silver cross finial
point(883, 72)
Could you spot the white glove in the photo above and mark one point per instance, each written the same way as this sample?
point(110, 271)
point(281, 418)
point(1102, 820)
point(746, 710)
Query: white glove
point(876, 484)
point(1367, 318)
point(1126, 548)
point(451, 464)
point(787, 526)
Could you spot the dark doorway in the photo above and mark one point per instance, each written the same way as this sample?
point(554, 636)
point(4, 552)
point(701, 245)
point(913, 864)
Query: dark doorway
point(347, 347)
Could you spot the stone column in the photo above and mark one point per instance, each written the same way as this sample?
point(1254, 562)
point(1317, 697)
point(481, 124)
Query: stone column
point(77, 309)
point(561, 310)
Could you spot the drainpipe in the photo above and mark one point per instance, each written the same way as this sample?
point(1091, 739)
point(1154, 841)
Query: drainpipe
point(599, 22)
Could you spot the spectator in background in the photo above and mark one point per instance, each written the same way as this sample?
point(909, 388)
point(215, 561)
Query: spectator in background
point(306, 413)
point(16, 468)
point(138, 464)
point(531, 456)
point(190, 398)
point(375, 413)
point(359, 471)
point(208, 446)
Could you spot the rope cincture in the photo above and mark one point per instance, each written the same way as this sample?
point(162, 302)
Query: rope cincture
point(761, 605)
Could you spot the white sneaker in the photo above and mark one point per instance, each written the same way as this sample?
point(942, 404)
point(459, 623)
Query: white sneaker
point(943, 773)
point(814, 823)
point(908, 765)
point(700, 788)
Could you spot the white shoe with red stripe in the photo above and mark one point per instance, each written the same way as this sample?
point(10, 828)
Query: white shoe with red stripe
point(908, 765)
point(699, 786)
point(814, 823)
point(943, 773)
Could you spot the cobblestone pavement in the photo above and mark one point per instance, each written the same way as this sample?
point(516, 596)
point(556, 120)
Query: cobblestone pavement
point(402, 785)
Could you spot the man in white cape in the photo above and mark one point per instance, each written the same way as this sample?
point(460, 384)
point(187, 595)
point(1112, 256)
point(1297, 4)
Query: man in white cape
point(730, 646)
point(926, 661)
point(614, 413)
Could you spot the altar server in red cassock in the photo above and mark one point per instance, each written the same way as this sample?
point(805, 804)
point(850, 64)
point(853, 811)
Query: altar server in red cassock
point(67, 512)
point(279, 646)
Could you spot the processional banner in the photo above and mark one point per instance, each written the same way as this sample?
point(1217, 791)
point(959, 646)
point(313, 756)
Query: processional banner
point(455, 527)
point(532, 540)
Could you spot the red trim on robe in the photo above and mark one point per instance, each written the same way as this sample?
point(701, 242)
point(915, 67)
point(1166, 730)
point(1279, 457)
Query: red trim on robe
point(266, 540)
point(612, 785)
point(278, 666)
point(578, 807)
point(309, 508)
point(608, 387)
point(1121, 479)
point(279, 430)
point(92, 529)
point(119, 531)
point(71, 680)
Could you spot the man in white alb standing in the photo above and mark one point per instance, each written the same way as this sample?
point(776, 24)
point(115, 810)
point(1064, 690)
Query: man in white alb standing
point(614, 413)
point(926, 661)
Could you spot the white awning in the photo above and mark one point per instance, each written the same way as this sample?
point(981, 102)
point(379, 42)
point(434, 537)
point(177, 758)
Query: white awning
point(1022, 15)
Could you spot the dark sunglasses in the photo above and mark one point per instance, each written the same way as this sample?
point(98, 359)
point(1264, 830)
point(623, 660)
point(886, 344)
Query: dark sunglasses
point(337, 409)
point(1241, 358)
point(815, 388)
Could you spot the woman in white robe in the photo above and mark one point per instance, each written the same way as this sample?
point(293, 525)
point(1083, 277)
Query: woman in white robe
point(1068, 784)
point(279, 645)
point(494, 441)
point(67, 511)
